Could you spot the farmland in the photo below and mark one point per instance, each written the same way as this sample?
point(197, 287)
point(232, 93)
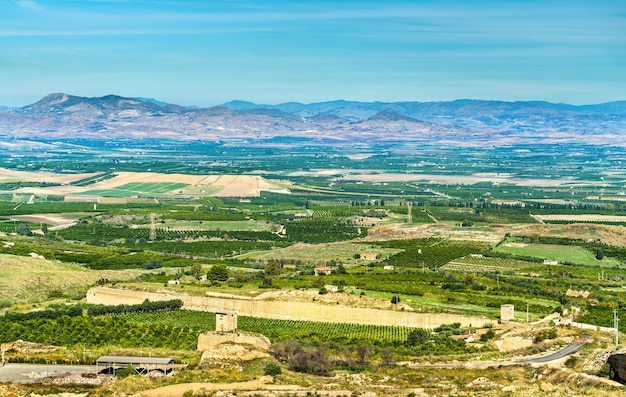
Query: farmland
point(432, 242)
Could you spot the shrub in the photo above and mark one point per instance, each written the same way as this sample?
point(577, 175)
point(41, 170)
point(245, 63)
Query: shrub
point(487, 335)
point(272, 369)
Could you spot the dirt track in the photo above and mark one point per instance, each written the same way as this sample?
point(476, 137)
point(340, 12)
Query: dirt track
point(259, 384)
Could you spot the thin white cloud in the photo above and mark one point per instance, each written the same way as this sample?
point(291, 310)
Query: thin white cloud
point(28, 5)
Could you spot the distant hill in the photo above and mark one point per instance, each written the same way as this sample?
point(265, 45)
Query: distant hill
point(464, 121)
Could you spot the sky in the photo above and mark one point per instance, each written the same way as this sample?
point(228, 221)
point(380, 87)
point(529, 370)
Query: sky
point(206, 52)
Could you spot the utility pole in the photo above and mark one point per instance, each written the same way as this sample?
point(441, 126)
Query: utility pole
point(615, 325)
point(410, 217)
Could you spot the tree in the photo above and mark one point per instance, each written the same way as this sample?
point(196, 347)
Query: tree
point(218, 273)
point(23, 230)
point(418, 337)
point(387, 359)
point(341, 269)
point(273, 269)
point(196, 269)
point(599, 255)
point(488, 335)
point(152, 265)
point(395, 299)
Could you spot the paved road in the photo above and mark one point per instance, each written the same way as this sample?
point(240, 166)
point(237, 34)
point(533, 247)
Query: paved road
point(30, 373)
point(566, 351)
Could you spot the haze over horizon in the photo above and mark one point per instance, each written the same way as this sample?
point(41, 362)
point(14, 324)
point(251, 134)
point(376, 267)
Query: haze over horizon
point(206, 53)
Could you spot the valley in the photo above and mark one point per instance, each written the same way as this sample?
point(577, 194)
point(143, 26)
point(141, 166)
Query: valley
point(367, 261)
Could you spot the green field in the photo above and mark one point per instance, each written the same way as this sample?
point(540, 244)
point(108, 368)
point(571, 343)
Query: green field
point(561, 253)
point(137, 189)
point(486, 264)
point(24, 279)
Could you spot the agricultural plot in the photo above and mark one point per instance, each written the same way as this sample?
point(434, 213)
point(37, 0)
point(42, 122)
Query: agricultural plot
point(481, 215)
point(131, 189)
point(322, 253)
point(279, 330)
point(216, 225)
point(98, 332)
point(560, 253)
point(431, 253)
point(480, 264)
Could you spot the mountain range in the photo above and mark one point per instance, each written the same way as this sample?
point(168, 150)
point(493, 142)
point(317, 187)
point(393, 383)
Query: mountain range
point(63, 116)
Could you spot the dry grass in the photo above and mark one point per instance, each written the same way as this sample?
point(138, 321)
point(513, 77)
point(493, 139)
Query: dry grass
point(29, 280)
point(199, 185)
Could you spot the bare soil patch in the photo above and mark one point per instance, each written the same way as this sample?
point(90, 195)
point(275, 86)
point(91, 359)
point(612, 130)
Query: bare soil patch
point(44, 218)
point(178, 389)
point(8, 175)
point(456, 179)
point(200, 185)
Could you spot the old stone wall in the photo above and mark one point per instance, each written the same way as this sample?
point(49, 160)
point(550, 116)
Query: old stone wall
point(210, 339)
point(284, 310)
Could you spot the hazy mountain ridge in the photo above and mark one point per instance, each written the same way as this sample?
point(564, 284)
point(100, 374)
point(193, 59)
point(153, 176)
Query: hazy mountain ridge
point(66, 116)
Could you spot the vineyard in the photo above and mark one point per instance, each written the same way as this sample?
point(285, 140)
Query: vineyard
point(279, 330)
point(431, 253)
point(479, 264)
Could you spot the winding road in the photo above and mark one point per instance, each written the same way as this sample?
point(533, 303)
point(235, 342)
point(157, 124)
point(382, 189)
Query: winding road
point(566, 351)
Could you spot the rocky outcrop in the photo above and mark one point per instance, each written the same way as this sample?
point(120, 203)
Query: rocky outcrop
point(618, 367)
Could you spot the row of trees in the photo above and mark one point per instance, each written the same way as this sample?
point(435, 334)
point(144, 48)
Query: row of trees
point(145, 307)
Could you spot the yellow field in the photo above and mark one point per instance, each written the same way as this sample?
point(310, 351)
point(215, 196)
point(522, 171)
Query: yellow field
point(199, 185)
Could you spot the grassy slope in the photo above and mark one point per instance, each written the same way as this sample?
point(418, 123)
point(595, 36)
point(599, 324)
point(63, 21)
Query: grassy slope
point(27, 280)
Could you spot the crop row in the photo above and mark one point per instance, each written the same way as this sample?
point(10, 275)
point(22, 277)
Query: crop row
point(489, 215)
point(431, 253)
point(486, 264)
point(108, 232)
point(279, 330)
point(98, 331)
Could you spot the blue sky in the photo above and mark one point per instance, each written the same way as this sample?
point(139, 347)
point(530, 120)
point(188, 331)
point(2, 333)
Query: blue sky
point(207, 52)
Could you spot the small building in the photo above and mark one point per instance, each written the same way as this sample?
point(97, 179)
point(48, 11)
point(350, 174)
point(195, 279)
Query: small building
point(148, 366)
point(369, 257)
point(173, 282)
point(578, 294)
point(225, 322)
point(467, 338)
point(507, 313)
point(331, 288)
point(550, 262)
point(322, 271)
point(388, 267)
